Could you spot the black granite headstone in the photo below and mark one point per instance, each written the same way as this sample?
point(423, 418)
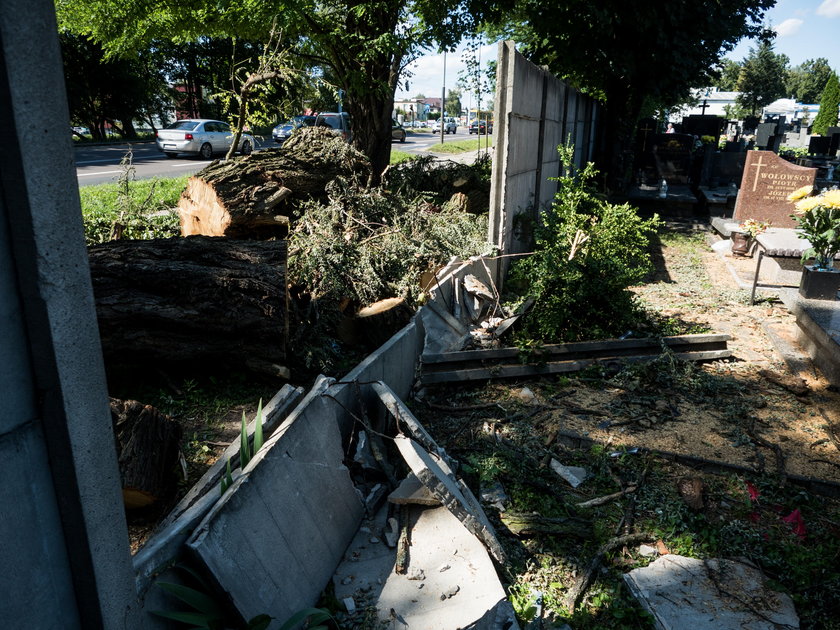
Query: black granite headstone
point(700, 126)
point(834, 145)
point(763, 133)
point(819, 145)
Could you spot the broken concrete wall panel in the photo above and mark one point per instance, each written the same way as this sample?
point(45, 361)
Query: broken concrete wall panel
point(166, 544)
point(436, 476)
point(274, 539)
point(452, 276)
point(404, 419)
point(711, 594)
point(394, 362)
point(274, 412)
point(442, 332)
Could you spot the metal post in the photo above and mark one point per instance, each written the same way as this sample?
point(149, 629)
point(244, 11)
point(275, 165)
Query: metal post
point(443, 99)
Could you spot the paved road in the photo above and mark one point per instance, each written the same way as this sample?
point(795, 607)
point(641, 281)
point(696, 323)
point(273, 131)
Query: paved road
point(101, 164)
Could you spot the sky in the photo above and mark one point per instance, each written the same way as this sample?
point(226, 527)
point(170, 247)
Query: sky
point(806, 29)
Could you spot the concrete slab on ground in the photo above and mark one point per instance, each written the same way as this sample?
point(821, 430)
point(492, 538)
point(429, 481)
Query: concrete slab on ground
point(710, 594)
point(435, 474)
point(450, 580)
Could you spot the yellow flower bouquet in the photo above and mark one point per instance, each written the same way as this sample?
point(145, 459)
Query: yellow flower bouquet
point(818, 218)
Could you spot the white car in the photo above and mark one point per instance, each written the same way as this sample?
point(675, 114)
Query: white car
point(200, 136)
point(449, 126)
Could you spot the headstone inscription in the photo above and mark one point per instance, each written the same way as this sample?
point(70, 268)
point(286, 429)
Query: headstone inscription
point(765, 185)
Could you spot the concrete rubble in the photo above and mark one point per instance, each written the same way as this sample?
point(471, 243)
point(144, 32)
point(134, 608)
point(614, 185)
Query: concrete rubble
point(709, 594)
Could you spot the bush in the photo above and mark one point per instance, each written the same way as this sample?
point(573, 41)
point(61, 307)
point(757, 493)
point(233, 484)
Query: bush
point(588, 252)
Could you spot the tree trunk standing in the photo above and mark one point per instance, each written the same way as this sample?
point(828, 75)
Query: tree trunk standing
point(370, 79)
point(621, 112)
point(191, 303)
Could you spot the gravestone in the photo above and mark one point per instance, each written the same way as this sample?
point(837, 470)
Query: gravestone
point(672, 155)
point(750, 123)
point(819, 145)
point(763, 133)
point(645, 131)
point(834, 145)
point(700, 126)
point(765, 185)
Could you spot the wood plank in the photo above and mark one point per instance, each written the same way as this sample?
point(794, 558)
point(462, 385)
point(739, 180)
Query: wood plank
point(559, 367)
point(581, 347)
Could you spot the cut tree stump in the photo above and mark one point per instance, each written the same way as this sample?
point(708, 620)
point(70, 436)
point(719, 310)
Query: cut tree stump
point(254, 196)
point(189, 302)
point(147, 451)
point(377, 323)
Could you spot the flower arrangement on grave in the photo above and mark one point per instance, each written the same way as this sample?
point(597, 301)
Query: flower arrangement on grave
point(753, 227)
point(818, 218)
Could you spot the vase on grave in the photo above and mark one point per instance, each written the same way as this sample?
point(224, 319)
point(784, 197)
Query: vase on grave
point(741, 243)
point(820, 283)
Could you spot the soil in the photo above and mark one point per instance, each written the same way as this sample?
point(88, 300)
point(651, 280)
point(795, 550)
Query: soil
point(751, 410)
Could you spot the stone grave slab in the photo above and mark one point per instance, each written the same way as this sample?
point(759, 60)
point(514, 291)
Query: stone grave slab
point(276, 536)
point(765, 184)
point(709, 594)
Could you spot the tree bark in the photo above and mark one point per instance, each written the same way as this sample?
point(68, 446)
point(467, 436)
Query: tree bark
point(183, 303)
point(254, 196)
point(147, 451)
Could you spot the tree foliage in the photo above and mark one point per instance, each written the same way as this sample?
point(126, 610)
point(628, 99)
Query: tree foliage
point(806, 81)
point(453, 102)
point(112, 92)
point(628, 52)
point(727, 80)
point(363, 44)
point(827, 116)
point(762, 78)
point(588, 252)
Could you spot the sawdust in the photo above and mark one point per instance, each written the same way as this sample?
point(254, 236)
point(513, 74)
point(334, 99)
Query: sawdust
point(745, 414)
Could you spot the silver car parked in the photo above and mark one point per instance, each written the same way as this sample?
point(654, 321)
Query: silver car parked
point(202, 137)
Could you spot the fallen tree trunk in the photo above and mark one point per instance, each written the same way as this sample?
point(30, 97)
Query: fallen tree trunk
point(186, 302)
point(254, 196)
point(147, 451)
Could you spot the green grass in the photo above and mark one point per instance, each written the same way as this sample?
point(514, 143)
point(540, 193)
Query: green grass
point(401, 156)
point(460, 146)
point(147, 212)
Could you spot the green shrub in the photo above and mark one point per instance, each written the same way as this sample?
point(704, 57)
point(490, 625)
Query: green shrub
point(588, 252)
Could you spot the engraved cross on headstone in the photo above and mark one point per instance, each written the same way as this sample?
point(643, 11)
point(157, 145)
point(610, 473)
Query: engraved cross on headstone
point(758, 166)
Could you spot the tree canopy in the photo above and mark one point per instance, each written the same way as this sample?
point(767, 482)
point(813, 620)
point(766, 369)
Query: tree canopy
point(806, 81)
point(631, 55)
point(762, 78)
point(829, 105)
point(363, 44)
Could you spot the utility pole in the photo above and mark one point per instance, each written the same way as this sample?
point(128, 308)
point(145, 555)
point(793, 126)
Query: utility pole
point(443, 100)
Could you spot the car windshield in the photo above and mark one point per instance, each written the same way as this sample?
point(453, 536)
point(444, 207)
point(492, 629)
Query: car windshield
point(184, 125)
point(330, 121)
point(300, 121)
